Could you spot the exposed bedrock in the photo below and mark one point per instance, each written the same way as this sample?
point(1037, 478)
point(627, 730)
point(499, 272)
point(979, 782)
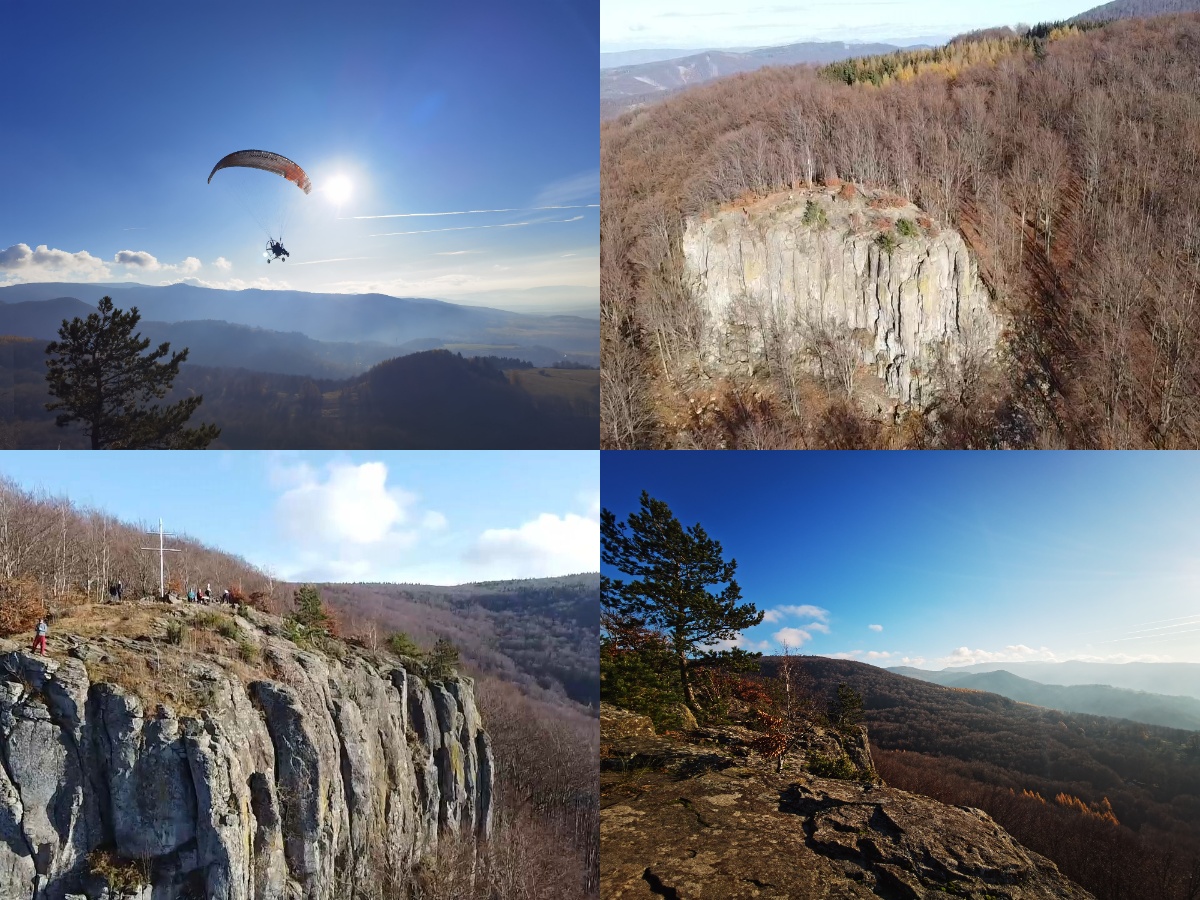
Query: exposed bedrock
point(277, 788)
point(910, 307)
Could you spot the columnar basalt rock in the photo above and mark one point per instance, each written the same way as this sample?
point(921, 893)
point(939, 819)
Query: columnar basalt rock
point(277, 788)
point(906, 303)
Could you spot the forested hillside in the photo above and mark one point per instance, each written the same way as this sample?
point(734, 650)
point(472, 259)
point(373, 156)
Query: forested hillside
point(540, 633)
point(428, 400)
point(1067, 158)
point(1054, 780)
point(530, 644)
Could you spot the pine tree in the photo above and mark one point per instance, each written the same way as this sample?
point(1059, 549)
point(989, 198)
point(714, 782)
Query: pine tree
point(443, 660)
point(309, 610)
point(100, 378)
point(674, 570)
point(848, 708)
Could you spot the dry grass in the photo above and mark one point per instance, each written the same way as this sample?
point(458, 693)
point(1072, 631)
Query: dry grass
point(157, 647)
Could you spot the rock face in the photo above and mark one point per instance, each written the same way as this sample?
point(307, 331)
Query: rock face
point(709, 820)
point(286, 787)
point(759, 269)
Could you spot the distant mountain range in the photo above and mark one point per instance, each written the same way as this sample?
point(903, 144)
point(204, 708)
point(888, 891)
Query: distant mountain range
point(1175, 679)
point(293, 332)
point(626, 86)
point(434, 400)
point(1095, 699)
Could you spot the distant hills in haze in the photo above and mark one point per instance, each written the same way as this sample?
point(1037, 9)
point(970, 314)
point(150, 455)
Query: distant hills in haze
point(626, 86)
point(289, 369)
point(1095, 688)
point(352, 318)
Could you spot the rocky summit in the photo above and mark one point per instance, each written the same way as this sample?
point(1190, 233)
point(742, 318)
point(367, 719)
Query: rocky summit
point(248, 768)
point(703, 816)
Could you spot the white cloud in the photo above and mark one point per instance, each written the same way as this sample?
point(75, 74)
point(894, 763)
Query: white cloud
point(792, 637)
point(964, 656)
point(844, 654)
point(222, 263)
point(344, 522)
point(45, 264)
point(136, 258)
point(581, 186)
point(547, 545)
point(913, 660)
point(806, 611)
point(875, 627)
point(235, 284)
point(140, 259)
point(878, 654)
point(817, 626)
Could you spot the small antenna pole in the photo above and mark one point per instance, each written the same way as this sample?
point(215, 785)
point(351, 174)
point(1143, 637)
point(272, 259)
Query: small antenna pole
point(162, 554)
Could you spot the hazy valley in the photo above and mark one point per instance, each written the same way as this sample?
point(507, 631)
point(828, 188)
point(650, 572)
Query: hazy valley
point(350, 371)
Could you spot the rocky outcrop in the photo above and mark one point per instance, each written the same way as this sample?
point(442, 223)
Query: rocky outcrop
point(709, 819)
point(842, 276)
point(287, 786)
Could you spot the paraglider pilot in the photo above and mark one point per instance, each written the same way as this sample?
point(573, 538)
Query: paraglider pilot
point(276, 251)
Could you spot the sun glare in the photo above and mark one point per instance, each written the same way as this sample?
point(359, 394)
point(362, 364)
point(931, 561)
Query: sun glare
point(338, 189)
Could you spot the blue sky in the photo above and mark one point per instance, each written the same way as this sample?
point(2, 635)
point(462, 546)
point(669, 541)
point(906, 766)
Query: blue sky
point(636, 24)
point(938, 559)
point(419, 517)
point(117, 114)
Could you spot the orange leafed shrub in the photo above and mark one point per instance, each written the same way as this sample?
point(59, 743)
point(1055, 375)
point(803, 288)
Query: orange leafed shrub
point(21, 605)
point(833, 182)
point(881, 224)
point(848, 192)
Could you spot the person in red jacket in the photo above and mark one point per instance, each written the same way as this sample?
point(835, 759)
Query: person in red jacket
point(39, 638)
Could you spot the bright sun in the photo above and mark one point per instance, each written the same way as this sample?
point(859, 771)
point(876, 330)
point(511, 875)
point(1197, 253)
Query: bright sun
point(338, 188)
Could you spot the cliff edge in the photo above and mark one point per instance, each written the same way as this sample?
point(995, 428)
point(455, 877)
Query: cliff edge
point(703, 816)
point(232, 764)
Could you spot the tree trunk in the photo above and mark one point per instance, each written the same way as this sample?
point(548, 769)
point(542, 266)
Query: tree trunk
point(688, 697)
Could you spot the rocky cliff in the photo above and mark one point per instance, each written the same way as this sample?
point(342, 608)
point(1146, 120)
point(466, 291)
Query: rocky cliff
point(817, 267)
point(704, 817)
point(215, 778)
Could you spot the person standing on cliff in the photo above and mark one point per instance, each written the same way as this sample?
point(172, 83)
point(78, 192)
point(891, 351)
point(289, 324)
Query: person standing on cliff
point(39, 638)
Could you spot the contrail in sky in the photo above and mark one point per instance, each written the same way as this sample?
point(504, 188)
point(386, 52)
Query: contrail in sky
point(313, 262)
point(475, 227)
point(469, 212)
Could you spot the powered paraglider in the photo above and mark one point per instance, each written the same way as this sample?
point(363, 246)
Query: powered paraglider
point(271, 211)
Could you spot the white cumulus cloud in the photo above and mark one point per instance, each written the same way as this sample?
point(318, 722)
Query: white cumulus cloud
point(792, 637)
point(42, 263)
point(875, 627)
point(547, 545)
point(137, 259)
point(222, 263)
point(345, 522)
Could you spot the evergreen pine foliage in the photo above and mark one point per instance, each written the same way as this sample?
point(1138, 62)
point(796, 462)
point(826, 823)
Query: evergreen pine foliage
point(677, 583)
point(99, 376)
point(442, 662)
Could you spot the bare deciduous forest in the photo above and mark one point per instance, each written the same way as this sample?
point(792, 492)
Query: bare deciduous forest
point(1115, 804)
point(1067, 158)
point(56, 558)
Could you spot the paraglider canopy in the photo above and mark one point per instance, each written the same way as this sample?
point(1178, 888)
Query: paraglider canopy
point(268, 162)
